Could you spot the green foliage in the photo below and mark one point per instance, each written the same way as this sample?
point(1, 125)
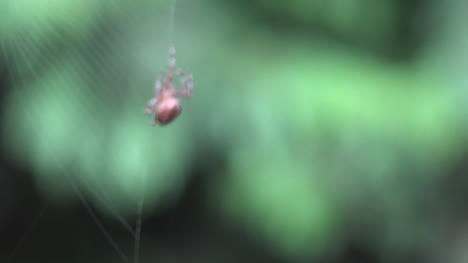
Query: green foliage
point(311, 130)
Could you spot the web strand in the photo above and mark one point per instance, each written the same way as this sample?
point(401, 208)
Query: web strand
point(98, 222)
point(111, 206)
point(26, 234)
point(138, 223)
point(75, 182)
point(87, 206)
point(171, 22)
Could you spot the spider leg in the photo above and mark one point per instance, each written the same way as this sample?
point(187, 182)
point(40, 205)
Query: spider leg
point(153, 123)
point(158, 85)
point(187, 80)
point(151, 107)
point(172, 58)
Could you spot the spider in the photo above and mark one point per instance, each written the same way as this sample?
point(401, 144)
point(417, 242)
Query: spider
point(165, 105)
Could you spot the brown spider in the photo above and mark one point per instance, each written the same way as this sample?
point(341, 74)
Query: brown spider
point(165, 105)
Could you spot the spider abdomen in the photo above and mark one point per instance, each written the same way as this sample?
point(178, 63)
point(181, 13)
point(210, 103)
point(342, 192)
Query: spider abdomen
point(168, 109)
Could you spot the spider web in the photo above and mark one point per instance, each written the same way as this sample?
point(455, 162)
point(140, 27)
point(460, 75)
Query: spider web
point(81, 77)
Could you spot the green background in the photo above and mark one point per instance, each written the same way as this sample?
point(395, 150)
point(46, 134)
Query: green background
point(314, 124)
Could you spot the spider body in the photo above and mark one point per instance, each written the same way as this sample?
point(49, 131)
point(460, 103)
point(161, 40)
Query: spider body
point(168, 109)
point(165, 105)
